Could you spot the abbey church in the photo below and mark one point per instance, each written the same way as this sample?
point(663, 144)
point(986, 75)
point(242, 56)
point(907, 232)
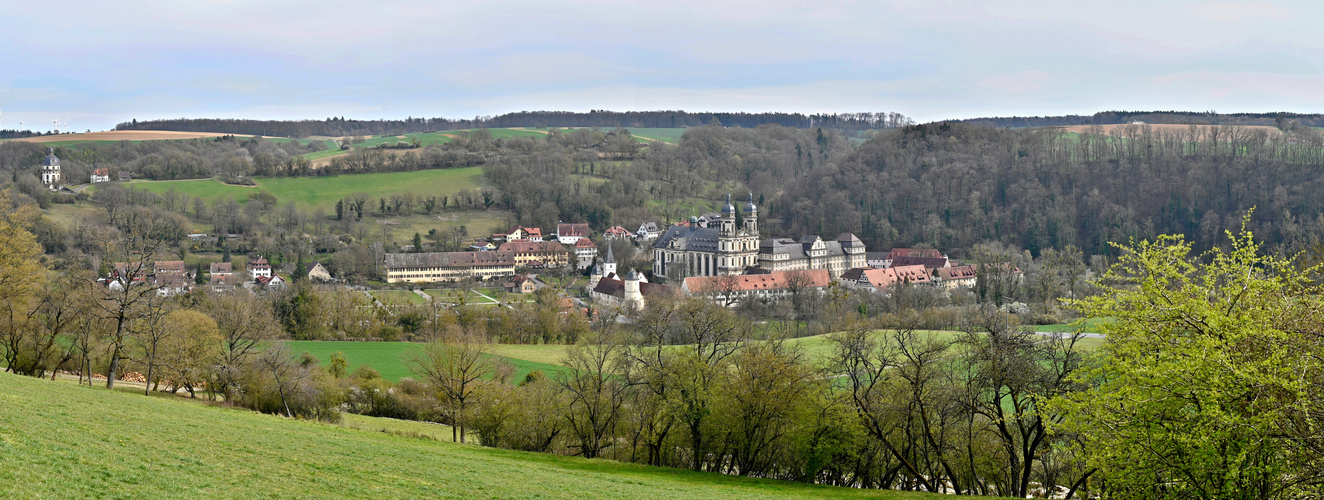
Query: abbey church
point(724, 249)
point(720, 249)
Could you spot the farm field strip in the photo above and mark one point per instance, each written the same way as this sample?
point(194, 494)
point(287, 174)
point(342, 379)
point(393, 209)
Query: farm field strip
point(323, 192)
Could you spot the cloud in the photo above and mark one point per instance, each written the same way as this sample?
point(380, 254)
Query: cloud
point(1025, 81)
point(547, 68)
point(1228, 12)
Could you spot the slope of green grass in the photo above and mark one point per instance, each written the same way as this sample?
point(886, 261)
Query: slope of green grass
point(59, 440)
point(322, 192)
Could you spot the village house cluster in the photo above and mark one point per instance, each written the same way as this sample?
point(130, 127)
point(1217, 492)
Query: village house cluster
point(173, 277)
point(719, 255)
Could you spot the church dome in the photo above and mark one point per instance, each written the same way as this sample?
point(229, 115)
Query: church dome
point(729, 208)
point(749, 207)
point(51, 160)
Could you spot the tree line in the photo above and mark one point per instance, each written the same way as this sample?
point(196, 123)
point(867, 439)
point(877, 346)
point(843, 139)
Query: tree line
point(340, 126)
point(1278, 119)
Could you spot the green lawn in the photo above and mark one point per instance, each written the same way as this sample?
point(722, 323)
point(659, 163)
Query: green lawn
point(59, 440)
point(322, 192)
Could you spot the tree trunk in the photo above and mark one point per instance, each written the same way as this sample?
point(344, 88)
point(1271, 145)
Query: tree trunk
point(114, 366)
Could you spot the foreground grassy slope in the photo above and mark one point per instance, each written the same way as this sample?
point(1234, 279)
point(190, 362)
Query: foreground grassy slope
point(60, 440)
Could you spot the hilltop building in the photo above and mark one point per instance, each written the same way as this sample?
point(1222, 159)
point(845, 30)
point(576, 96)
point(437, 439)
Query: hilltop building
point(50, 171)
point(717, 248)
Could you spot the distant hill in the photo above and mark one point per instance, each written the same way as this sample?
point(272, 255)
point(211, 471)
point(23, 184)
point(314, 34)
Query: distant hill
point(1277, 119)
point(62, 441)
point(340, 127)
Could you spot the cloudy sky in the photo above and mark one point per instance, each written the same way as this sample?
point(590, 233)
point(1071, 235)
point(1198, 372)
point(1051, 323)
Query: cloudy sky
point(95, 64)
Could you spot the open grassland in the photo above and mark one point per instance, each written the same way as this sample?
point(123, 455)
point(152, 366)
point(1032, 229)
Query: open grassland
point(59, 440)
point(322, 192)
point(388, 358)
point(398, 297)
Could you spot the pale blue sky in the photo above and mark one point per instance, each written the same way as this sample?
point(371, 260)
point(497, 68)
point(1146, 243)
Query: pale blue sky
point(94, 64)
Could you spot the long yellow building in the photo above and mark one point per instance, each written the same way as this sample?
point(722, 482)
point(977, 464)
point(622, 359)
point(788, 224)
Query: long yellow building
point(448, 266)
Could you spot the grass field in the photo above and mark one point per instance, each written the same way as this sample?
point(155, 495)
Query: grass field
point(322, 192)
point(398, 297)
point(388, 358)
point(59, 440)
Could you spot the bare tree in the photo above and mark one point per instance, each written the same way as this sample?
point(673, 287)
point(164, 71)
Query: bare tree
point(455, 365)
point(595, 390)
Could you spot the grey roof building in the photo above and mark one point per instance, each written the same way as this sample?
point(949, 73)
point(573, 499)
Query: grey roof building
point(812, 252)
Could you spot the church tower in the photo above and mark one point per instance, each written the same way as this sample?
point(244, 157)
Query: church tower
point(50, 171)
point(609, 264)
point(751, 220)
point(727, 224)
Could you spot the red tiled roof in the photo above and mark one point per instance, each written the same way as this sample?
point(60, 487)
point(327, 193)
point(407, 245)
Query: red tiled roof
point(956, 273)
point(580, 229)
point(585, 243)
point(914, 252)
point(531, 246)
point(817, 278)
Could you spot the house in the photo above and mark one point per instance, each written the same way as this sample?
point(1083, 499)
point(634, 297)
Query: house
point(316, 272)
point(223, 282)
point(585, 252)
point(899, 253)
point(876, 260)
point(543, 253)
point(448, 266)
point(520, 284)
point(100, 175)
point(956, 277)
point(483, 245)
point(273, 282)
point(648, 231)
point(259, 268)
point(125, 176)
point(128, 272)
point(168, 284)
point(812, 252)
point(730, 290)
point(882, 280)
point(632, 292)
point(520, 233)
point(569, 234)
point(615, 232)
point(168, 267)
point(928, 262)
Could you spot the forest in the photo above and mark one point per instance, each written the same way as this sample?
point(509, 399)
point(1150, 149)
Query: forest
point(1280, 119)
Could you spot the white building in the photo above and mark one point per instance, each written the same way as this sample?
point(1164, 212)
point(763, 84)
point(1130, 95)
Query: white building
point(100, 175)
point(50, 171)
point(259, 268)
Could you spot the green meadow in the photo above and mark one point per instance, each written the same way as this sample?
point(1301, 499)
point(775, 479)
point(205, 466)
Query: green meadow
point(323, 192)
point(388, 358)
point(60, 440)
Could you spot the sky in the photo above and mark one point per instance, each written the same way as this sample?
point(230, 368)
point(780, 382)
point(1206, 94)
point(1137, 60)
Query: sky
point(94, 64)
